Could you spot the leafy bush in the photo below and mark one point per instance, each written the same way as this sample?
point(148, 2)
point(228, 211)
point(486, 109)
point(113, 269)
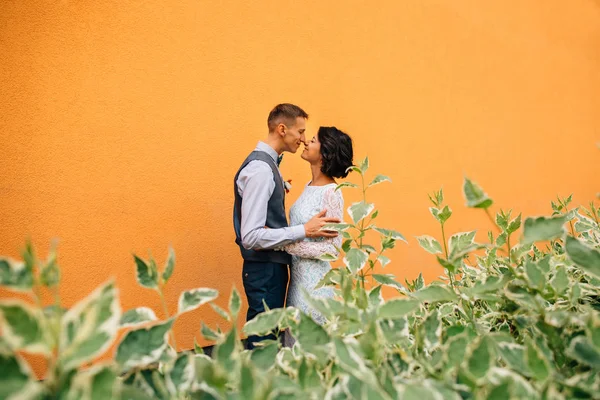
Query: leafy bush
point(509, 319)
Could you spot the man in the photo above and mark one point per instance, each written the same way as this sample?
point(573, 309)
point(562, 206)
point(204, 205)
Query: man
point(259, 216)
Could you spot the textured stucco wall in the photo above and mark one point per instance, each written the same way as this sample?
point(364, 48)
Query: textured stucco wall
point(122, 123)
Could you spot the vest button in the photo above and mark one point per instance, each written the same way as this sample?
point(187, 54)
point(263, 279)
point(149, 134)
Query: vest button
point(246, 275)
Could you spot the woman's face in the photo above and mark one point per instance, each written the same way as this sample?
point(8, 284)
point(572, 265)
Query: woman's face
point(312, 150)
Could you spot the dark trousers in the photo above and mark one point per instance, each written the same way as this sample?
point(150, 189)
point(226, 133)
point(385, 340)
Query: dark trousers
point(263, 281)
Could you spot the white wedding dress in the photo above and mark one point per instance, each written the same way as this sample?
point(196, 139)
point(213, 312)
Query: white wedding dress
point(307, 270)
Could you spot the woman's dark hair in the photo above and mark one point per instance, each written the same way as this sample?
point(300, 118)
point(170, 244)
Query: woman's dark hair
point(336, 151)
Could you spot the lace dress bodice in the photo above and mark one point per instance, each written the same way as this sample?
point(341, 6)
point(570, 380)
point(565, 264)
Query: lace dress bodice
point(307, 270)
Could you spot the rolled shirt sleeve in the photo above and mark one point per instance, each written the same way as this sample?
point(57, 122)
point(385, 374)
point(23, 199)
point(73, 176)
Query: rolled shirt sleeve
point(256, 185)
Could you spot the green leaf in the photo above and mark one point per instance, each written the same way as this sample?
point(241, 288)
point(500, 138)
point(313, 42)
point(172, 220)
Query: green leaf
point(379, 179)
point(169, 266)
point(480, 359)
point(514, 356)
point(451, 267)
point(311, 336)
point(182, 372)
point(89, 328)
point(146, 276)
point(388, 280)
point(543, 228)
point(445, 214)
point(220, 311)
point(429, 244)
point(360, 210)
point(235, 303)
point(264, 357)
point(50, 274)
point(97, 383)
point(397, 308)
point(23, 327)
point(537, 362)
point(502, 220)
point(383, 260)
point(390, 233)
point(585, 257)
point(475, 196)
point(394, 330)
point(15, 275)
point(432, 327)
point(534, 275)
point(264, 322)
point(197, 348)
point(375, 297)
point(192, 299)
point(460, 242)
point(583, 350)
point(515, 224)
point(208, 333)
point(355, 260)
point(435, 293)
point(364, 165)
point(336, 227)
point(14, 375)
point(346, 184)
point(248, 382)
point(136, 317)
point(144, 346)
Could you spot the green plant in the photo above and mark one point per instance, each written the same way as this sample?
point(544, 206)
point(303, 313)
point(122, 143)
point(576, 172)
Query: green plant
point(512, 318)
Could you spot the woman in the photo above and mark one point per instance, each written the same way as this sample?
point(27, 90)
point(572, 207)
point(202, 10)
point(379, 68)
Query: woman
point(330, 155)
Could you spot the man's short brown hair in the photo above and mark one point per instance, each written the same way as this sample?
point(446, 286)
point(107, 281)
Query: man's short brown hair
point(286, 113)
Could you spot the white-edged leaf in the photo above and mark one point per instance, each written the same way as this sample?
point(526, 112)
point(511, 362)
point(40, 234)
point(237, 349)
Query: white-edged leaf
point(143, 346)
point(383, 260)
point(16, 375)
point(543, 228)
point(346, 184)
point(169, 266)
point(89, 328)
point(145, 274)
point(392, 234)
point(235, 303)
point(430, 244)
point(264, 322)
point(224, 314)
point(24, 327)
point(388, 280)
point(379, 179)
point(360, 210)
point(355, 259)
point(194, 298)
point(15, 275)
point(98, 382)
point(397, 308)
point(584, 256)
point(137, 316)
point(475, 196)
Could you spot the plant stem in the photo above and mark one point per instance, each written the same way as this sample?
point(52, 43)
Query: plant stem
point(487, 212)
point(570, 223)
point(167, 316)
point(508, 246)
point(444, 240)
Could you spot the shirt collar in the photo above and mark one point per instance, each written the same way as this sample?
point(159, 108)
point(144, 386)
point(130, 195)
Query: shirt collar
point(262, 146)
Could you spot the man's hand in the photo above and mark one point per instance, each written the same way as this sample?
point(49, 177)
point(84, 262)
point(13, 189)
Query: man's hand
point(313, 227)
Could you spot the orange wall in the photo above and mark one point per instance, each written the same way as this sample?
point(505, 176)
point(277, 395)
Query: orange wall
point(122, 123)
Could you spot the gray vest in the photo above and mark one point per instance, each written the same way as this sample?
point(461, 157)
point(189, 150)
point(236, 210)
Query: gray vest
point(276, 217)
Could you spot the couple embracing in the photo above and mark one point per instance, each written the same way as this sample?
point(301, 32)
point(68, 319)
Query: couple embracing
point(269, 245)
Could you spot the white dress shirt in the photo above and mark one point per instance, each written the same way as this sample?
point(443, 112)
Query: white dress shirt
point(256, 185)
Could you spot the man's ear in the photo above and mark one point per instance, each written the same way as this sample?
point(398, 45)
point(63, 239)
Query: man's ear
point(281, 129)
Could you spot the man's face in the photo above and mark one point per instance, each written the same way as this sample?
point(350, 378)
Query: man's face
point(294, 135)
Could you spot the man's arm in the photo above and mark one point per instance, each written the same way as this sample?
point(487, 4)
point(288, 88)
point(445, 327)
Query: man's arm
point(256, 185)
